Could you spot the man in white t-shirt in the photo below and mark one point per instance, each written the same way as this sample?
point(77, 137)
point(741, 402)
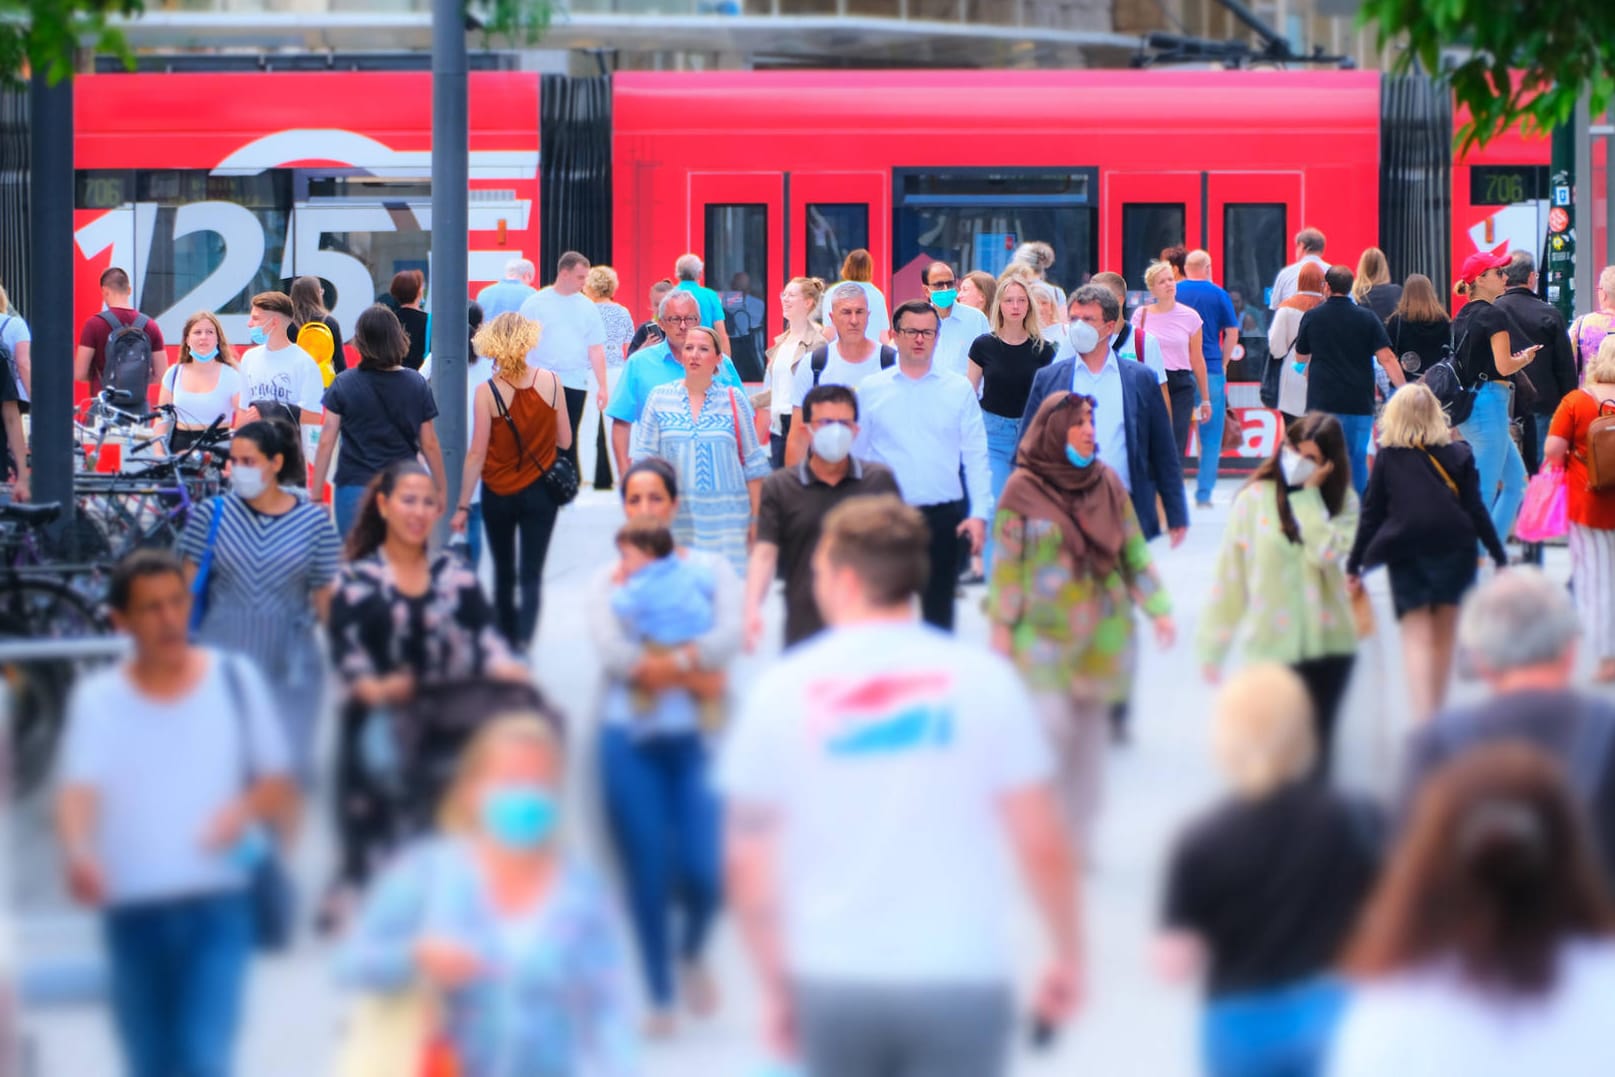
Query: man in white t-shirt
point(960, 325)
point(847, 360)
point(573, 338)
point(275, 368)
point(882, 784)
point(175, 774)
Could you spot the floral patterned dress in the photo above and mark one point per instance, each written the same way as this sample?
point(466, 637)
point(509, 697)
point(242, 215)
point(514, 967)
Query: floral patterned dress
point(715, 455)
point(1070, 631)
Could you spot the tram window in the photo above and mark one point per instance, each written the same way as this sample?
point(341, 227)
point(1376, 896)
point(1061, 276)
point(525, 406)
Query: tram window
point(1148, 228)
point(984, 236)
point(1255, 243)
point(737, 269)
point(833, 230)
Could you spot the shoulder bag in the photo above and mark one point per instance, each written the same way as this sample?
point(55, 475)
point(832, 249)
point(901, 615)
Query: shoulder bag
point(561, 477)
point(204, 568)
point(1445, 477)
point(269, 887)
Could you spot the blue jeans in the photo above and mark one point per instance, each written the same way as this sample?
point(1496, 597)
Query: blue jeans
point(345, 505)
point(473, 533)
point(1358, 429)
point(1502, 472)
point(663, 822)
point(1003, 438)
point(1205, 479)
point(1280, 1033)
point(179, 971)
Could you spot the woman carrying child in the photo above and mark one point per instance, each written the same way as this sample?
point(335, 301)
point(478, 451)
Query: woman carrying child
point(662, 818)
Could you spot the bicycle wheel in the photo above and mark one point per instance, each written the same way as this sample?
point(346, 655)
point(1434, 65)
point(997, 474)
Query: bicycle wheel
point(34, 609)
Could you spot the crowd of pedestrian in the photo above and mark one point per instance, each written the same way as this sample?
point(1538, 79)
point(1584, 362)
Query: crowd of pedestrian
point(875, 804)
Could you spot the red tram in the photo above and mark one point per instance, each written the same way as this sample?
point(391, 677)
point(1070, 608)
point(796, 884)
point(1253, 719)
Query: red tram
point(212, 186)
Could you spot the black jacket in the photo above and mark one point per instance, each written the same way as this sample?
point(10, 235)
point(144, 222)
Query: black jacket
point(1409, 511)
point(1553, 371)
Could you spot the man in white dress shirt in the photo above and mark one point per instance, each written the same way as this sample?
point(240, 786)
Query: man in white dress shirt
point(923, 423)
point(961, 325)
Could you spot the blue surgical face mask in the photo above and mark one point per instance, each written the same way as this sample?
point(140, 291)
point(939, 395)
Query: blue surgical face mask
point(520, 817)
point(258, 335)
point(1076, 458)
point(945, 298)
point(204, 357)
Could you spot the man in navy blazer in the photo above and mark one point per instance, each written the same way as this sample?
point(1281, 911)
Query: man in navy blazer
point(1140, 447)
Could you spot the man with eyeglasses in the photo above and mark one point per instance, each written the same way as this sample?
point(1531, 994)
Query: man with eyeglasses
point(849, 360)
point(655, 365)
point(923, 423)
point(792, 508)
point(961, 324)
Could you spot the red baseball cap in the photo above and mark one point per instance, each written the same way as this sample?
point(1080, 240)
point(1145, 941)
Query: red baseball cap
point(1480, 262)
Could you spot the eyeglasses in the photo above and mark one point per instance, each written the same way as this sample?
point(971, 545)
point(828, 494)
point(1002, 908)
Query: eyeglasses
point(917, 334)
point(682, 319)
point(939, 285)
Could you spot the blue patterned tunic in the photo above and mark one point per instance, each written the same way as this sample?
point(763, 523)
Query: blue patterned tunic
point(714, 512)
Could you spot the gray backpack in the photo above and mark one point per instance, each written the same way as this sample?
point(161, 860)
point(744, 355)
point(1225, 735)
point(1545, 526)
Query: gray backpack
point(129, 366)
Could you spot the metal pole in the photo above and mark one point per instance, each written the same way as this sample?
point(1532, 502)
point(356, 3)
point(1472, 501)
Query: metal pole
point(51, 274)
point(1582, 217)
point(450, 180)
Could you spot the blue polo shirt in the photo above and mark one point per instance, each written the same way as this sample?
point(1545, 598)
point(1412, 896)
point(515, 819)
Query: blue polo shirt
point(1216, 312)
point(649, 367)
point(708, 301)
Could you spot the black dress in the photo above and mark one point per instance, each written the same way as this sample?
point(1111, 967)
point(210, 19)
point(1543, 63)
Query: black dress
point(414, 323)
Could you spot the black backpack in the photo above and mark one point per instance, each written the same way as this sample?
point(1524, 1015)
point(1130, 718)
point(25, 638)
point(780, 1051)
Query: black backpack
point(128, 367)
point(821, 359)
point(1445, 379)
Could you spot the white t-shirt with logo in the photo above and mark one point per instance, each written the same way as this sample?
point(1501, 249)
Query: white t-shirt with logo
point(885, 751)
point(571, 326)
point(837, 371)
point(287, 376)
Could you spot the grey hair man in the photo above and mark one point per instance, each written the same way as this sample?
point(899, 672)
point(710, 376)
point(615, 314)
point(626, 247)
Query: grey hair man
point(1309, 244)
point(1518, 634)
point(687, 270)
point(1553, 370)
point(509, 292)
point(847, 360)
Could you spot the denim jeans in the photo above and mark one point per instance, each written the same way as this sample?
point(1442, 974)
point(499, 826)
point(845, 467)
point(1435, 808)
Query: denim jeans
point(529, 514)
point(345, 505)
point(1003, 438)
point(1502, 472)
point(179, 973)
point(1358, 429)
point(1205, 479)
point(662, 818)
point(473, 533)
point(1284, 1032)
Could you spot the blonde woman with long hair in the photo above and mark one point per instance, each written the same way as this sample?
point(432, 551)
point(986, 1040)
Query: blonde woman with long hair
point(1002, 366)
point(1372, 287)
point(519, 422)
point(514, 938)
point(1422, 516)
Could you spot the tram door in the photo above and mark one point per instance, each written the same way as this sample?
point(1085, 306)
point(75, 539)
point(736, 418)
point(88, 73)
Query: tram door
point(758, 230)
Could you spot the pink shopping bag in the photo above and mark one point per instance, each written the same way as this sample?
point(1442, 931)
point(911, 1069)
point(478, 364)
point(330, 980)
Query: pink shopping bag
point(1546, 512)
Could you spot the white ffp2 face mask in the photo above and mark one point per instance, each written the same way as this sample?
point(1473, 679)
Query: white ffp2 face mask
point(1084, 337)
point(832, 442)
point(247, 482)
point(1297, 468)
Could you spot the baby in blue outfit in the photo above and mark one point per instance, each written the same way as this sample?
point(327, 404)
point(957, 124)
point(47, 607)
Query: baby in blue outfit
point(665, 601)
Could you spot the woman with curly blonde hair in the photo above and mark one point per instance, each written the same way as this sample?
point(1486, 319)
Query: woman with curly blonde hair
point(519, 422)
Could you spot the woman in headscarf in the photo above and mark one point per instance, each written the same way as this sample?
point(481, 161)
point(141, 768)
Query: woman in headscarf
point(1281, 340)
point(1070, 563)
